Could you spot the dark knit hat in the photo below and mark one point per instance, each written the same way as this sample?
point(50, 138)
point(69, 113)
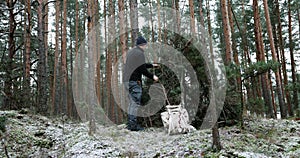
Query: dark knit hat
point(140, 41)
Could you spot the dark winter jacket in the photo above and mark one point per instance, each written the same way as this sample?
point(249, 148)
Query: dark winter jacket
point(135, 65)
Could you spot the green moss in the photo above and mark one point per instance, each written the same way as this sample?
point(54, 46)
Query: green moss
point(43, 143)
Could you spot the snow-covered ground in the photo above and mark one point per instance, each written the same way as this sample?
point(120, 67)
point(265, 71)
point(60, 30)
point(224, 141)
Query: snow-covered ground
point(37, 136)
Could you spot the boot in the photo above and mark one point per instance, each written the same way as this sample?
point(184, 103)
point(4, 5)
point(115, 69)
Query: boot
point(132, 124)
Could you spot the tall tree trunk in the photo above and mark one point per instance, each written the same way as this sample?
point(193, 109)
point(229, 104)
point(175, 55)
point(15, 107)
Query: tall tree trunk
point(54, 108)
point(293, 65)
point(91, 49)
point(42, 69)
point(76, 45)
point(209, 30)
point(151, 21)
point(201, 12)
point(298, 14)
point(238, 80)
point(70, 96)
point(27, 54)
point(216, 138)
point(97, 60)
point(111, 54)
point(192, 16)
point(158, 21)
point(283, 61)
point(46, 19)
point(246, 59)
point(226, 29)
point(177, 15)
point(64, 70)
point(123, 50)
point(261, 57)
point(122, 29)
point(282, 106)
point(8, 101)
point(134, 20)
point(234, 45)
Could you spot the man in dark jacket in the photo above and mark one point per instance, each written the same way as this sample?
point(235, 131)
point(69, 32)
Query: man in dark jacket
point(134, 68)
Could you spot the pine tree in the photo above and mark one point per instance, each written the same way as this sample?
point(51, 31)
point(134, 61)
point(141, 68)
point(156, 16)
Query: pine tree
point(42, 69)
point(277, 75)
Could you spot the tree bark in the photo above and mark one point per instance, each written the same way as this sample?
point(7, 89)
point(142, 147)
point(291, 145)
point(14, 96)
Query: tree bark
point(216, 138)
point(192, 16)
point(64, 70)
point(46, 19)
point(283, 59)
point(277, 75)
point(134, 20)
point(201, 12)
point(261, 57)
point(123, 50)
point(111, 58)
point(158, 21)
point(177, 15)
point(8, 99)
point(42, 69)
point(122, 29)
point(293, 65)
point(226, 29)
point(209, 30)
point(27, 54)
point(91, 49)
point(76, 45)
point(54, 108)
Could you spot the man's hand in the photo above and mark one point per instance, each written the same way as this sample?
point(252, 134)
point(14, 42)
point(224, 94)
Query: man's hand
point(155, 78)
point(156, 65)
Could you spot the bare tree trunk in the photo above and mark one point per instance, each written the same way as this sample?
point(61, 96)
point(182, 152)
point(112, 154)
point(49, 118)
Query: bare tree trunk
point(298, 14)
point(91, 46)
point(46, 19)
point(277, 75)
point(123, 48)
point(201, 12)
point(283, 61)
point(64, 69)
point(54, 109)
point(27, 54)
point(97, 60)
point(106, 105)
point(226, 29)
point(293, 65)
point(110, 58)
point(158, 21)
point(216, 138)
point(177, 15)
point(134, 20)
point(122, 28)
point(238, 80)
point(247, 60)
point(70, 97)
point(234, 45)
point(261, 57)
point(8, 101)
point(209, 29)
point(76, 45)
point(192, 16)
point(42, 71)
point(151, 22)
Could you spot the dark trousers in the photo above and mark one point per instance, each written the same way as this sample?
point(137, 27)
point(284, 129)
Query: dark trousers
point(135, 97)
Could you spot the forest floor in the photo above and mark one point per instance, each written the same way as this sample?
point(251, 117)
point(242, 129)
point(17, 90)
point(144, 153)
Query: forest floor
point(30, 135)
